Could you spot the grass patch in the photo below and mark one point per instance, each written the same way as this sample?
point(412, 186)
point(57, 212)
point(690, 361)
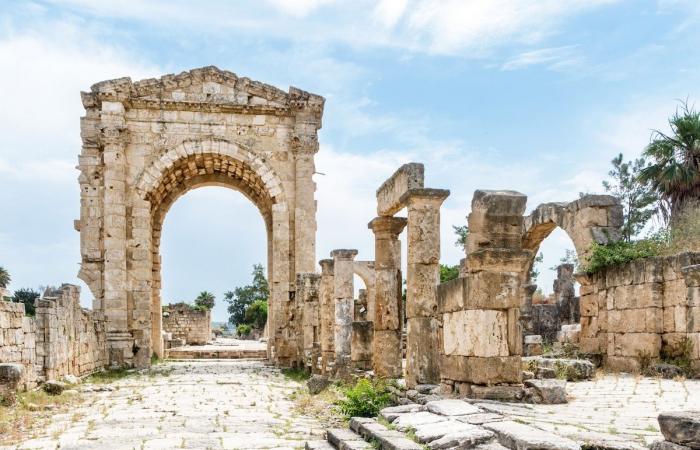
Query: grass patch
point(296, 374)
point(30, 413)
point(365, 399)
point(108, 376)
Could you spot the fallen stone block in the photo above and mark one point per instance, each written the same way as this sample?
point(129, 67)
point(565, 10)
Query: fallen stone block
point(681, 428)
point(451, 407)
point(501, 393)
point(337, 435)
point(466, 436)
point(54, 387)
point(571, 369)
point(548, 392)
point(412, 420)
point(667, 445)
point(387, 439)
point(518, 436)
point(317, 383)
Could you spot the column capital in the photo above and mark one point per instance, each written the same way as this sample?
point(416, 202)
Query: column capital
point(388, 224)
point(343, 254)
point(326, 266)
point(427, 195)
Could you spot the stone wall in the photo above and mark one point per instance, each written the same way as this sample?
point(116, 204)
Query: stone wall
point(62, 339)
point(186, 323)
point(17, 341)
point(645, 308)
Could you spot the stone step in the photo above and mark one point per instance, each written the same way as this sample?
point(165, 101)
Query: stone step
point(344, 439)
point(518, 436)
point(318, 445)
point(380, 435)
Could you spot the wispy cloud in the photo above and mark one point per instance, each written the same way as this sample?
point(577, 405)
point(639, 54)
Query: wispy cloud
point(553, 58)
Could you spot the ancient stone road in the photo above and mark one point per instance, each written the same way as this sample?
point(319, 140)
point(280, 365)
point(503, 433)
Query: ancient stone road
point(197, 405)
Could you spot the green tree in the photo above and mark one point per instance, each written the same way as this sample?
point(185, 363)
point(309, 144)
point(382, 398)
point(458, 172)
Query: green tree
point(205, 300)
point(256, 314)
point(569, 257)
point(243, 296)
point(534, 271)
point(4, 277)
point(639, 200)
point(462, 233)
point(27, 296)
point(675, 169)
point(448, 273)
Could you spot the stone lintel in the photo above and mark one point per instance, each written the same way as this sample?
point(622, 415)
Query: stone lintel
point(390, 225)
point(409, 176)
point(437, 195)
point(326, 266)
point(499, 202)
point(343, 253)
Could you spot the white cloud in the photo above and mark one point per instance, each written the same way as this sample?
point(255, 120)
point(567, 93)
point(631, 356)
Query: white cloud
point(554, 57)
point(467, 28)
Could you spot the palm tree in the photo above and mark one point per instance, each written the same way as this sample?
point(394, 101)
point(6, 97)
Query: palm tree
point(205, 300)
point(675, 171)
point(4, 277)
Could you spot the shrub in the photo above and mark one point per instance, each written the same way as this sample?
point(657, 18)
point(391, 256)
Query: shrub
point(621, 252)
point(256, 314)
point(365, 399)
point(243, 329)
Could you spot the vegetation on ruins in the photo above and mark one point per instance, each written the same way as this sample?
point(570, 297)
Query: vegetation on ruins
point(4, 277)
point(27, 296)
point(674, 172)
point(569, 257)
point(365, 399)
point(638, 200)
point(462, 233)
point(621, 252)
point(448, 273)
point(205, 300)
point(534, 271)
point(248, 304)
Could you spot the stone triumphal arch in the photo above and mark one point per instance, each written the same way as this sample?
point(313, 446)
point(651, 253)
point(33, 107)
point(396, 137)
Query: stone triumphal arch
point(146, 143)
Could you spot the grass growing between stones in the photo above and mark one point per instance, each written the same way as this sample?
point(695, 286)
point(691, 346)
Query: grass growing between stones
point(109, 376)
point(296, 374)
point(365, 399)
point(31, 411)
point(322, 406)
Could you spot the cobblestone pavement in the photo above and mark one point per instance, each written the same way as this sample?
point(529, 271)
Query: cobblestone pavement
point(624, 407)
point(212, 404)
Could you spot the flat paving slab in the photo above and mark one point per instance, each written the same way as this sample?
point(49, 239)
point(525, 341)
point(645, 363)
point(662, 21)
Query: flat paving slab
point(196, 405)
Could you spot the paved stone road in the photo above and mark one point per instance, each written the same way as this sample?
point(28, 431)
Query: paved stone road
point(197, 405)
point(618, 407)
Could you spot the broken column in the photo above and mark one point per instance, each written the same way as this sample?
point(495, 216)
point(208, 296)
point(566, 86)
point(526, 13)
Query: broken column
point(343, 292)
point(388, 316)
point(307, 295)
point(327, 315)
point(482, 342)
point(423, 328)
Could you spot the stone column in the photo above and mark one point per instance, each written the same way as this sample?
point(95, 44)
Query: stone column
point(327, 313)
point(115, 303)
point(423, 328)
point(343, 295)
point(388, 315)
point(279, 346)
point(307, 296)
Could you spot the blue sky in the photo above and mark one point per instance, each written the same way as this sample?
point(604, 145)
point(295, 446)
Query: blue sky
point(536, 96)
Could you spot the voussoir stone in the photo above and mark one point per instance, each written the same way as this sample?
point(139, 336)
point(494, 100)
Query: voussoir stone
point(452, 407)
point(681, 427)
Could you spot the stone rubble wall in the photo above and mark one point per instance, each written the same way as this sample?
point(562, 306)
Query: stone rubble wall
point(62, 339)
point(191, 325)
point(18, 341)
point(641, 309)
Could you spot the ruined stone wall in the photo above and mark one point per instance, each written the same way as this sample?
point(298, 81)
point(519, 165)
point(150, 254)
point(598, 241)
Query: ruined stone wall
point(17, 341)
point(184, 322)
point(62, 339)
point(642, 309)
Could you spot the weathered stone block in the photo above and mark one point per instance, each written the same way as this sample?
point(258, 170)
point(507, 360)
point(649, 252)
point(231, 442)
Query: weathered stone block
point(481, 333)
